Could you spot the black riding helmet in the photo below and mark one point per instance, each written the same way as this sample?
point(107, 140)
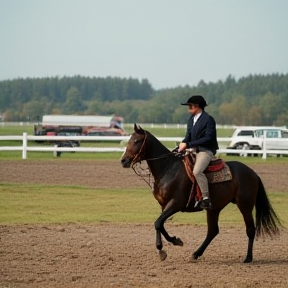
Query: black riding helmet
point(196, 100)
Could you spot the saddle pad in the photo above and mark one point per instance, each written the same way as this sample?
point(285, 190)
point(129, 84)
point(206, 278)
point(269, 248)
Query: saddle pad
point(219, 176)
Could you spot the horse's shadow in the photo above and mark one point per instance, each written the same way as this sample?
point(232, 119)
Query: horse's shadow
point(259, 262)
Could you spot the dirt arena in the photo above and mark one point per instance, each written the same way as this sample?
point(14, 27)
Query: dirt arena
point(124, 255)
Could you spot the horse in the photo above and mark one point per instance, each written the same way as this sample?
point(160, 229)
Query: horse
point(172, 189)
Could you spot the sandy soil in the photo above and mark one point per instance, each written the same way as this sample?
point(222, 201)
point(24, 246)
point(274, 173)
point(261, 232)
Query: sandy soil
point(124, 255)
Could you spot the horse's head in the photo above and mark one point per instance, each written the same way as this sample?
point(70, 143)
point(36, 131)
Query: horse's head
point(135, 150)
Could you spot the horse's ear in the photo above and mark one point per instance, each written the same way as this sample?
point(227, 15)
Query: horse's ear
point(138, 129)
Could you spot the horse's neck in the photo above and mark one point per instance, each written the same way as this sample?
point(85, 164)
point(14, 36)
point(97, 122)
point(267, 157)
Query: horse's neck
point(159, 155)
point(157, 167)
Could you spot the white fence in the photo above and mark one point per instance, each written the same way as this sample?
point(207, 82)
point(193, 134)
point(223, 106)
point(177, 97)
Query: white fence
point(25, 148)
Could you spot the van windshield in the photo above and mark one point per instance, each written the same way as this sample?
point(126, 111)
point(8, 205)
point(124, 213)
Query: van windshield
point(269, 133)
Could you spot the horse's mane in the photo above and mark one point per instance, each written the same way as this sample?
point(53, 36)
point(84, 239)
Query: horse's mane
point(161, 147)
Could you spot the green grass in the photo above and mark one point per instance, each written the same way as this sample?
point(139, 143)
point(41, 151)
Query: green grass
point(159, 132)
point(31, 204)
point(16, 130)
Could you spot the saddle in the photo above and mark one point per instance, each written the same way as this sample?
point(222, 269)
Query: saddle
point(216, 172)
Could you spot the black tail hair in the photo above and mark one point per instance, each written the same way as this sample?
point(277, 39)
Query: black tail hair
point(267, 221)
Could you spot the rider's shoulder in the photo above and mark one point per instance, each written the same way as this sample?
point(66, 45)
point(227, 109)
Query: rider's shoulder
point(208, 116)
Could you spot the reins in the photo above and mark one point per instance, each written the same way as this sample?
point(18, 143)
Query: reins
point(160, 157)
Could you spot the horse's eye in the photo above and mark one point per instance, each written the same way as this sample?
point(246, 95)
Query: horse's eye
point(136, 141)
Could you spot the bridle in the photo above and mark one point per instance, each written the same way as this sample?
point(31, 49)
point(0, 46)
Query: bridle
point(135, 160)
point(145, 173)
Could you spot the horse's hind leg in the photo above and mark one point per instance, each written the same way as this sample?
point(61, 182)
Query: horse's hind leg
point(250, 231)
point(213, 230)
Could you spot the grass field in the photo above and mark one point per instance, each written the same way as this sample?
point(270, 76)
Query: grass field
point(23, 204)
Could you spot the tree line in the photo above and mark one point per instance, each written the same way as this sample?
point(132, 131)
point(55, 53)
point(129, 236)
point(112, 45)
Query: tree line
point(250, 100)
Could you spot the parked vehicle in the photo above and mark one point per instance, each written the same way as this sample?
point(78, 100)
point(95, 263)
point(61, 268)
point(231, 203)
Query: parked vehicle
point(107, 132)
point(70, 143)
point(252, 138)
point(82, 124)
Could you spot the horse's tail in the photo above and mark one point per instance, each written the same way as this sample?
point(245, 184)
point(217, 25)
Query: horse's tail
point(267, 221)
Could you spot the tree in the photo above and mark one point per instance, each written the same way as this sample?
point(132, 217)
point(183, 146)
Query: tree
point(282, 120)
point(255, 115)
point(251, 100)
point(180, 115)
point(93, 107)
point(10, 115)
point(33, 109)
point(73, 103)
point(271, 106)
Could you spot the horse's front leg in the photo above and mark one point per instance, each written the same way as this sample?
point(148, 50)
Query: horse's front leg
point(159, 226)
point(159, 246)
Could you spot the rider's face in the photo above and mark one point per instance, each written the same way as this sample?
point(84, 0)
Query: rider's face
point(194, 109)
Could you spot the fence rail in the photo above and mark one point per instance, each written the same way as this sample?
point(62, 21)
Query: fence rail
point(25, 148)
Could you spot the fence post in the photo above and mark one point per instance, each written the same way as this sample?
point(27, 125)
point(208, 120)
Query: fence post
point(245, 147)
point(55, 150)
point(264, 155)
point(24, 151)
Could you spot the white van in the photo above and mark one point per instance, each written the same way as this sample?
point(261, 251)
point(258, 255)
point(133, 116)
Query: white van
point(252, 137)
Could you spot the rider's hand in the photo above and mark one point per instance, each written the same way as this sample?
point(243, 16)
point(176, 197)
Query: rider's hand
point(182, 146)
point(175, 150)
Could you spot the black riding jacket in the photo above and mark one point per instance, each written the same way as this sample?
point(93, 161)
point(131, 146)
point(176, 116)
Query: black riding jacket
point(203, 135)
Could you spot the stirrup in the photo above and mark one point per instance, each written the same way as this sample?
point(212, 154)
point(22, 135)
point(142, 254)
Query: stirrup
point(198, 203)
point(206, 204)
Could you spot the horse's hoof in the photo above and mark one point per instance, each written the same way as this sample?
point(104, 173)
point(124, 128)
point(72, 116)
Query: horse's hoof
point(159, 246)
point(162, 255)
point(177, 242)
point(247, 260)
point(192, 260)
point(194, 256)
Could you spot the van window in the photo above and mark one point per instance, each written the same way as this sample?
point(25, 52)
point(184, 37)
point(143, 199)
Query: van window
point(272, 134)
point(246, 133)
point(258, 133)
point(284, 134)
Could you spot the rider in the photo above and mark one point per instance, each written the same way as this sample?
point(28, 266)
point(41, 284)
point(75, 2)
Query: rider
point(202, 138)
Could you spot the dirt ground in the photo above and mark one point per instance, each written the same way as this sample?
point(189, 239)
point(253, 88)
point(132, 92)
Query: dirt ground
point(124, 255)
point(106, 174)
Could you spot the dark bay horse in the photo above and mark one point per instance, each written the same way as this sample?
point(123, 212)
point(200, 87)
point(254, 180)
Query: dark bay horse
point(172, 189)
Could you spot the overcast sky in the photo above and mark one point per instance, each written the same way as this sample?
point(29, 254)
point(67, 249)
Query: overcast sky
point(169, 42)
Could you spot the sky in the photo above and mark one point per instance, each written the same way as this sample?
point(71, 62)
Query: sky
point(169, 42)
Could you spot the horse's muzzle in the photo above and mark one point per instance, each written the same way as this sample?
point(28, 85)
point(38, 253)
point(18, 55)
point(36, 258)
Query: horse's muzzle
point(126, 163)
